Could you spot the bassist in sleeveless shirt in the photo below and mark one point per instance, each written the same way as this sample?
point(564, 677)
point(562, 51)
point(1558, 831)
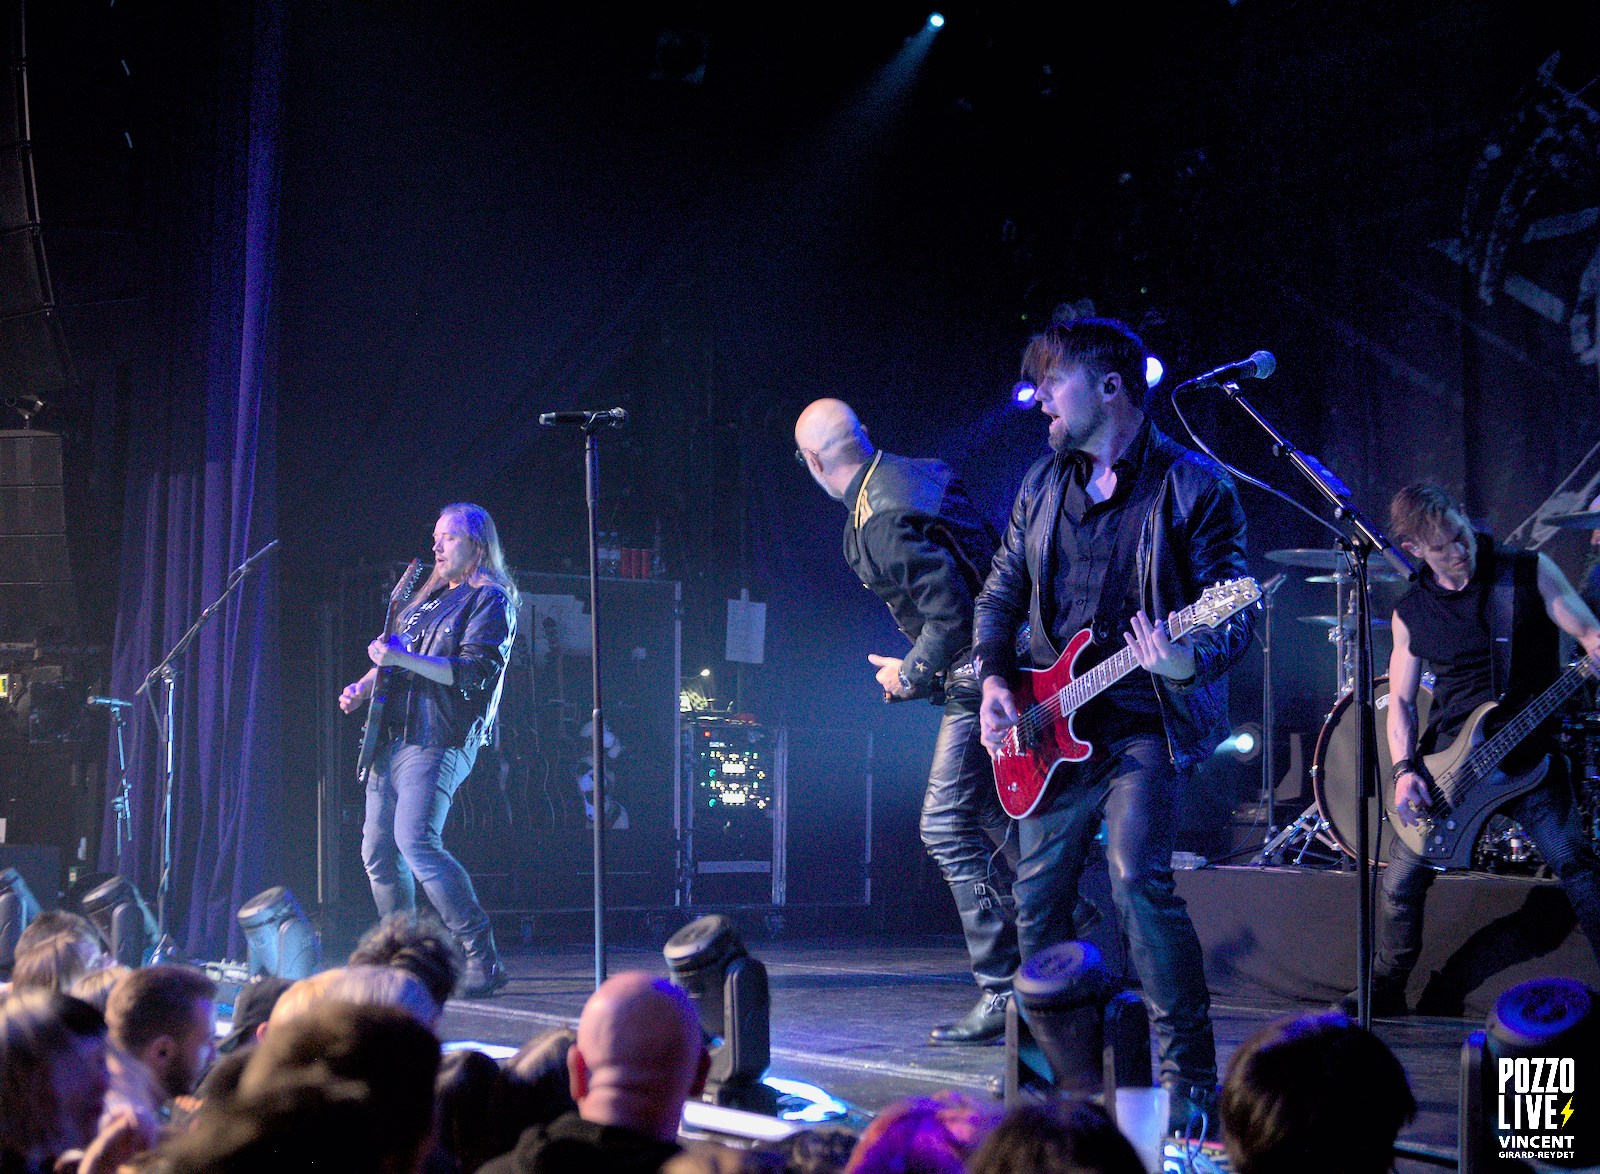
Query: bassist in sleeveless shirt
point(1472, 596)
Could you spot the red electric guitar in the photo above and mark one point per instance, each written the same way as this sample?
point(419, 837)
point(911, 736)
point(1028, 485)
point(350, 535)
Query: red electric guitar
point(1048, 699)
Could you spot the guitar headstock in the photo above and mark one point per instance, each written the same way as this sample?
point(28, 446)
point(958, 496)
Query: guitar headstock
point(1218, 603)
point(405, 587)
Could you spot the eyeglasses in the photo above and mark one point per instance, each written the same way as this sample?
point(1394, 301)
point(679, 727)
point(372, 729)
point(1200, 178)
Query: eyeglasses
point(800, 455)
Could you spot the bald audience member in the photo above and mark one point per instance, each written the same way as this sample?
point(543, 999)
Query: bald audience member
point(639, 1056)
point(913, 536)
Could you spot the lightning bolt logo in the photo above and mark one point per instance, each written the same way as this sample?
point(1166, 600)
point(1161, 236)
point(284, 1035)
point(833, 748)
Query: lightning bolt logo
point(1566, 1111)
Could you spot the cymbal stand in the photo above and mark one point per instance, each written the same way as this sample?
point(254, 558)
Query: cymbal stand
point(123, 803)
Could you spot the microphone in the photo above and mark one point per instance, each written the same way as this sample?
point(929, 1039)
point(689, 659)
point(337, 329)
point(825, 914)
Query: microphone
point(258, 556)
point(1257, 366)
point(108, 702)
point(610, 418)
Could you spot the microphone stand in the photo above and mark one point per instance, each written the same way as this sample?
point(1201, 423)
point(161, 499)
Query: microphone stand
point(592, 423)
point(167, 673)
point(1363, 538)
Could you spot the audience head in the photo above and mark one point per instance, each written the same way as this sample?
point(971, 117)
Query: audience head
point(639, 1055)
point(921, 1135)
point(166, 1018)
point(1314, 1093)
point(366, 986)
point(538, 1089)
point(415, 944)
point(816, 1151)
point(251, 1008)
point(95, 987)
point(1065, 1137)
point(53, 1075)
point(388, 1060)
point(58, 921)
point(55, 962)
point(473, 1123)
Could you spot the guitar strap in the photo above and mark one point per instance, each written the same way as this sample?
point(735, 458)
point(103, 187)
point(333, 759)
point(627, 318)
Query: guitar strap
point(1502, 612)
point(1137, 513)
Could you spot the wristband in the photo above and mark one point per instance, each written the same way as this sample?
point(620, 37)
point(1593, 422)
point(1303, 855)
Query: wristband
point(1400, 768)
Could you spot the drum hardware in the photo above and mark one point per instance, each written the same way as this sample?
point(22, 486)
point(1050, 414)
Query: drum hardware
point(1334, 775)
point(1504, 847)
point(1310, 828)
point(1348, 623)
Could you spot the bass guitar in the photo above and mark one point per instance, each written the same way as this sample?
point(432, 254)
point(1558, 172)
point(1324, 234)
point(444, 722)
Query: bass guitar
point(404, 589)
point(1048, 699)
point(1468, 779)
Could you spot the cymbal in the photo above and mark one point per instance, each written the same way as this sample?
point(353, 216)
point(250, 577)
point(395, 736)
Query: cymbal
point(1374, 575)
point(1321, 560)
point(1582, 520)
point(1332, 621)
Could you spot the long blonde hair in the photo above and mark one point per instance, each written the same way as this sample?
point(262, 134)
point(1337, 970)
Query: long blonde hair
point(488, 562)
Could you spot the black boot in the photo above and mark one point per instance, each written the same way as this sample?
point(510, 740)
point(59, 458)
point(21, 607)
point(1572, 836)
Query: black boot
point(1388, 999)
point(483, 975)
point(984, 1024)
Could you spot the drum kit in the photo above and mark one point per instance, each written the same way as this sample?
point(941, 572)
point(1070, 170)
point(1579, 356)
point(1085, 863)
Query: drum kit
point(1331, 818)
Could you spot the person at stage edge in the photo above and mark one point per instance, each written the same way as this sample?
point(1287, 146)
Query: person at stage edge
point(1483, 617)
point(914, 538)
point(450, 646)
point(1116, 525)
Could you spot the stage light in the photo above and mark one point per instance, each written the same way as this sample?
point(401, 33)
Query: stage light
point(729, 990)
point(1244, 743)
point(1067, 1030)
point(123, 919)
point(17, 908)
point(705, 672)
point(936, 20)
point(280, 937)
point(1023, 392)
point(1153, 370)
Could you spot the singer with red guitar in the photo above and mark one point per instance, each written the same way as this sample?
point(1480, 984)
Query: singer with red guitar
point(1116, 525)
point(445, 661)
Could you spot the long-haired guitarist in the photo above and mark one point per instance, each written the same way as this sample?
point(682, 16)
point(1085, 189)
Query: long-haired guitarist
point(1484, 618)
point(448, 652)
point(1116, 525)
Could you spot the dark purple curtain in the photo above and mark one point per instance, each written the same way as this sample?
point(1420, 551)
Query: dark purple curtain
point(201, 490)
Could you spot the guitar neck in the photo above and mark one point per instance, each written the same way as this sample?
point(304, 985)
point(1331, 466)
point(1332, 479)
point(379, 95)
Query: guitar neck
point(1533, 715)
point(1108, 672)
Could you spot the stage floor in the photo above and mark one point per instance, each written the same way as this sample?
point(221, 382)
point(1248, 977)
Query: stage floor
point(853, 1015)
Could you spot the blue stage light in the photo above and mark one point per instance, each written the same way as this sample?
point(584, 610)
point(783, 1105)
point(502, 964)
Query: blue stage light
point(936, 20)
point(1023, 393)
point(1153, 370)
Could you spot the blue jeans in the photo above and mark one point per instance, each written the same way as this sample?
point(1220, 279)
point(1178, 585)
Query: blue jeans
point(408, 797)
point(1134, 788)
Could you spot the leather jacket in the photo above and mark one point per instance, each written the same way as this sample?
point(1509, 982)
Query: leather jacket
point(914, 538)
point(473, 627)
point(1192, 535)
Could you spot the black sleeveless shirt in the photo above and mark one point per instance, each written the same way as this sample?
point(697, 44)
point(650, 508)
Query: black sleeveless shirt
point(1452, 631)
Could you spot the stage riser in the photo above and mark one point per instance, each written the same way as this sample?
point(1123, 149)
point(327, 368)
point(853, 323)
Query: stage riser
point(1289, 936)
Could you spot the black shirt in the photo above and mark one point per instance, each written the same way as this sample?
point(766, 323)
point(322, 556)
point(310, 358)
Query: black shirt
point(1086, 540)
point(1450, 631)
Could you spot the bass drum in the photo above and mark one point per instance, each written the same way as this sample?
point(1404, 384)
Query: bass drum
point(1334, 779)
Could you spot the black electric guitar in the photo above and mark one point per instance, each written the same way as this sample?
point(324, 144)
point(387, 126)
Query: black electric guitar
point(398, 598)
point(1466, 779)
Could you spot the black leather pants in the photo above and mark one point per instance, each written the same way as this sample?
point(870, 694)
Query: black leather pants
point(1135, 790)
point(1550, 817)
point(964, 828)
